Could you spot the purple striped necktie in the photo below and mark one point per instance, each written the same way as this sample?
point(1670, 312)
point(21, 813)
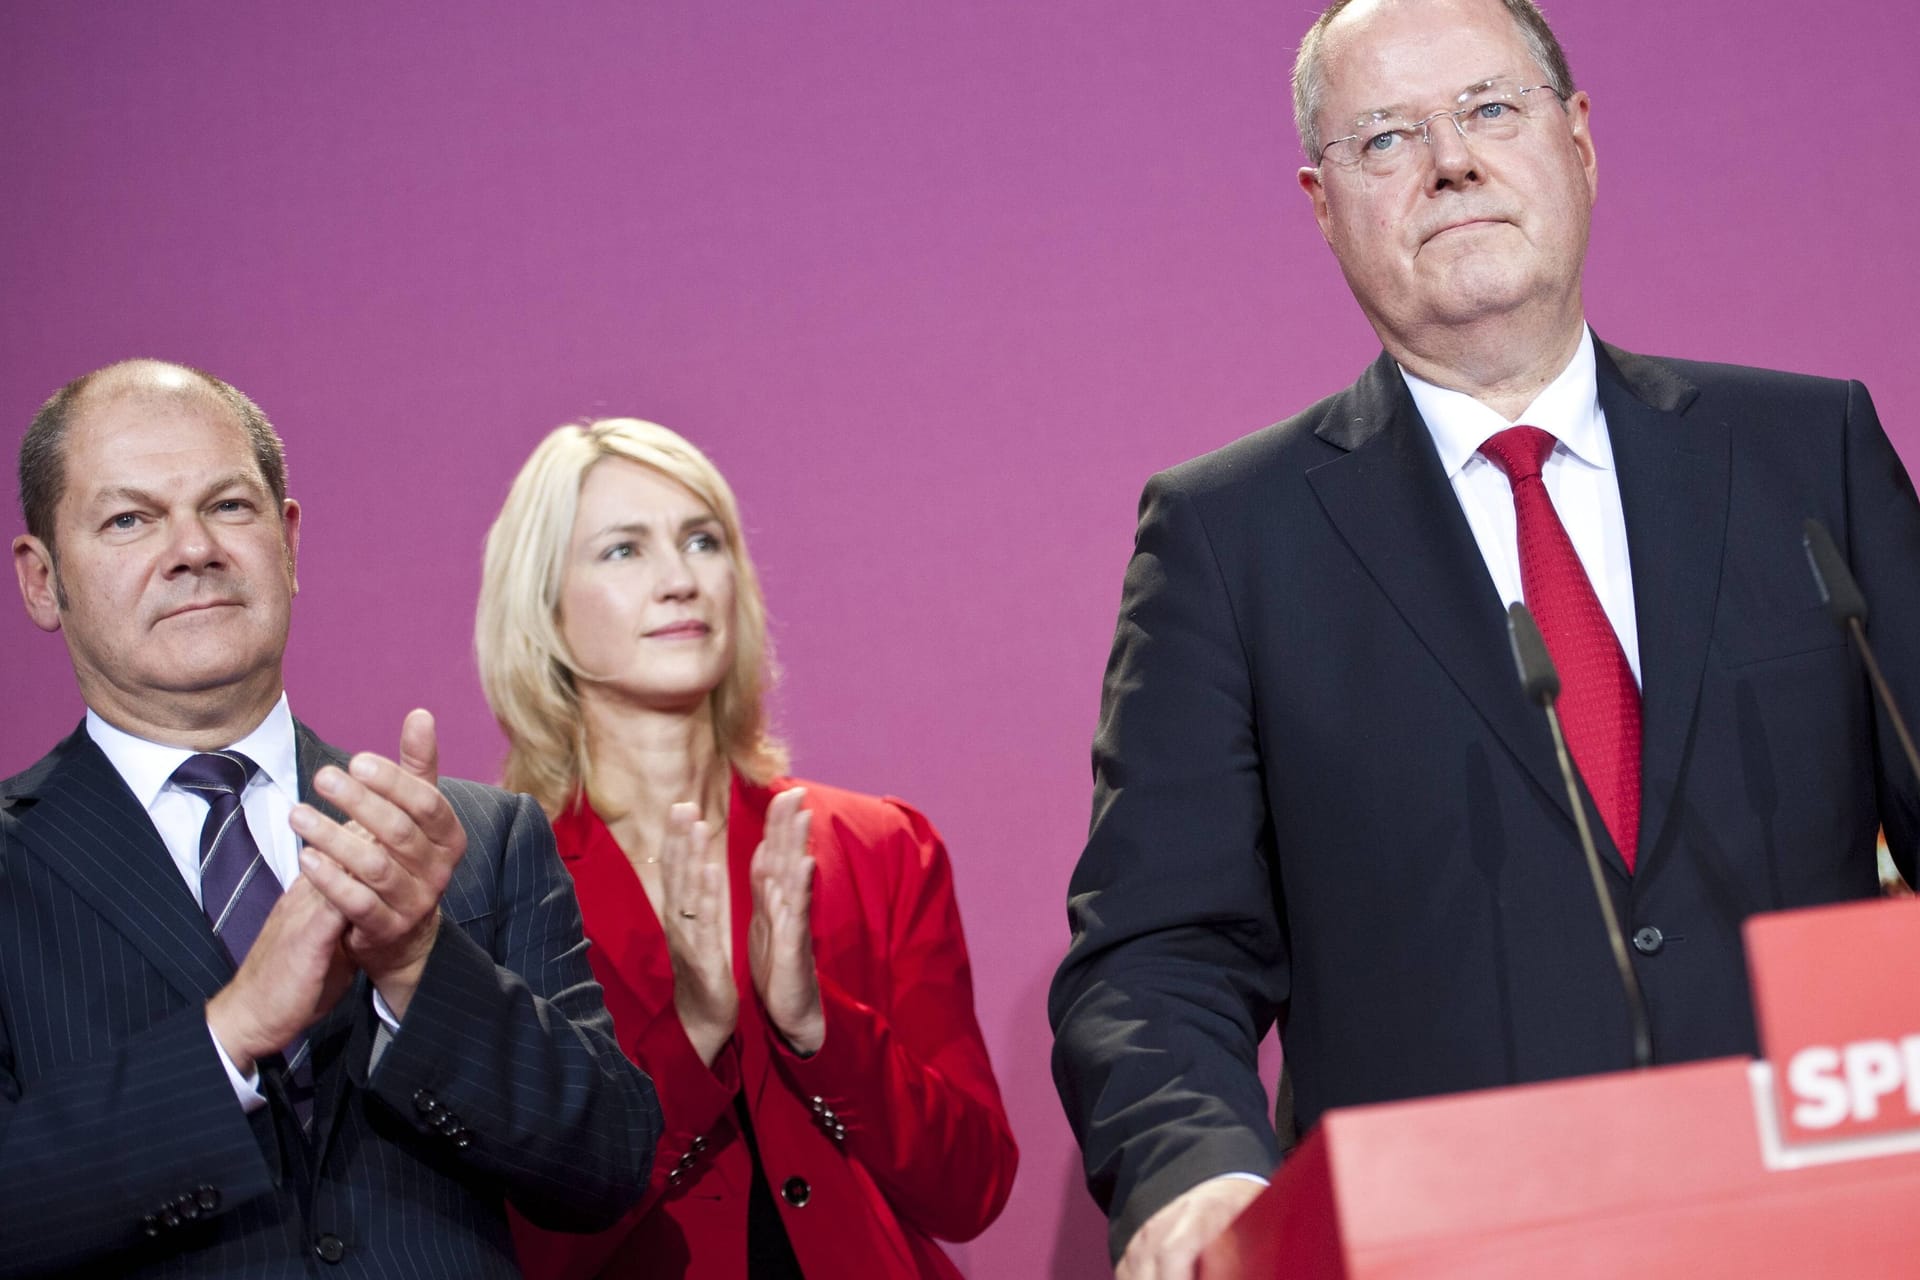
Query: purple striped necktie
point(237, 887)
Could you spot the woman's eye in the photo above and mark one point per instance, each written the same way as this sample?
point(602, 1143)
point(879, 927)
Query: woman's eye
point(703, 542)
point(618, 551)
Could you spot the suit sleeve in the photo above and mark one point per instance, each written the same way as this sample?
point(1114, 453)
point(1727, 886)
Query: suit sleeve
point(1178, 965)
point(160, 1092)
point(911, 1084)
point(1883, 545)
point(506, 1061)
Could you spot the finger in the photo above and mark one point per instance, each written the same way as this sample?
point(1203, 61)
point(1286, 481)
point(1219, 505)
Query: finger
point(363, 909)
point(356, 853)
point(777, 843)
point(420, 745)
point(798, 878)
point(377, 818)
point(676, 855)
point(712, 924)
point(417, 797)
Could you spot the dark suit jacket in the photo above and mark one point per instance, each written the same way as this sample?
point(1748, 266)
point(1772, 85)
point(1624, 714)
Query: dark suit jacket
point(122, 1148)
point(1320, 795)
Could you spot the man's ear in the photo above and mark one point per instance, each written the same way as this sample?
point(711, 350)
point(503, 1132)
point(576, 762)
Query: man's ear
point(290, 529)
point(1316, 192)
point(39, 577)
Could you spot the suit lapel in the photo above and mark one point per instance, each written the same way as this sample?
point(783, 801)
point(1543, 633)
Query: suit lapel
point(746, 824)
point(1674, 474)
point(81, 819)
point(1391, 502)
point(330, 1037)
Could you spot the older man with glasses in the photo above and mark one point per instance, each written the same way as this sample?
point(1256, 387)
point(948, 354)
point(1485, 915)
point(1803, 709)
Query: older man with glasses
point(1321, 797)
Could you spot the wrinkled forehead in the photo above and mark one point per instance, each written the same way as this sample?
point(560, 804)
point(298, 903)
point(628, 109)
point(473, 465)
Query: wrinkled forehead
point(1402, 57)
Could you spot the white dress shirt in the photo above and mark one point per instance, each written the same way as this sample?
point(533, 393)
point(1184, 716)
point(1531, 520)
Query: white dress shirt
point(178, 814)
point(1579, 476)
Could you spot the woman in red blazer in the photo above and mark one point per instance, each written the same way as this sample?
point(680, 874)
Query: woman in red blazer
point(783, 958)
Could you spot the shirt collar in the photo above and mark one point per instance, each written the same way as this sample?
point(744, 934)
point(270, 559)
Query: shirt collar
point(148, 766)
point(1569, 407)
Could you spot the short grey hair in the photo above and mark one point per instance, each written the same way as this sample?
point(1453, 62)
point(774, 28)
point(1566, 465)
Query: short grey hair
point(1309, 83)
point(43, 454)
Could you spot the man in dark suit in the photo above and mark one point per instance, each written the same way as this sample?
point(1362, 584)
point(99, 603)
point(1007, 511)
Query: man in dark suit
point(202, 1073)
point(1320, 794)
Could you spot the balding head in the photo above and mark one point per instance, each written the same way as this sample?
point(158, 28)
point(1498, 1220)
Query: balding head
point(1309, 75)
point(43, 477)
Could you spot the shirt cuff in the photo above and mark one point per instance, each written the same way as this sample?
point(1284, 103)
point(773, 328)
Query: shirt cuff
point(385, 1014)
point(246, 1088)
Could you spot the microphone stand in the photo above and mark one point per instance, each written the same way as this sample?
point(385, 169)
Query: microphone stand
point(1542, 685)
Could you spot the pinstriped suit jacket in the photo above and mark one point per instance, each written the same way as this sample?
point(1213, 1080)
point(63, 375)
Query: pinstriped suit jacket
point(122, 1149)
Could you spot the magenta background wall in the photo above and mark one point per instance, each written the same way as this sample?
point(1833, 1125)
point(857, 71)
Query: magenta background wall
point(937, 286)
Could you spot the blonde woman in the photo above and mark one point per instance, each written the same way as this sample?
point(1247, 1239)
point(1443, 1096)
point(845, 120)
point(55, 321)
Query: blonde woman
point(783, 958)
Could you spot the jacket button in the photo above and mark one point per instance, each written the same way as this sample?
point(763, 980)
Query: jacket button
point(699, 1144)
point(208, 1198)
point(1648, 940)
point(796, 1192)
point(328, 1248)
point(150, 1225)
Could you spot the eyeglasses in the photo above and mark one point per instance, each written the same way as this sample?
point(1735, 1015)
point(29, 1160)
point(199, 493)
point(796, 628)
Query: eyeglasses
point(1488, 113)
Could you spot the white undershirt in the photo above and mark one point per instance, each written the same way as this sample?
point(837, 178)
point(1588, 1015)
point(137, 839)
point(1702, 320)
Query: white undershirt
point(1579, 475)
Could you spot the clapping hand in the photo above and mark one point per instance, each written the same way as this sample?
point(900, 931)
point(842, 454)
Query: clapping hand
point(780, 935)
point(385, 870)
point(699, 929)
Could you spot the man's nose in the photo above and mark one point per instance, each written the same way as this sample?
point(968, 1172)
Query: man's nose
point(1449, 152)
point(192, 546)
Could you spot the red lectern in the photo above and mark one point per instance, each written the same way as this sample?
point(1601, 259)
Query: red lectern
point(1805, 1163)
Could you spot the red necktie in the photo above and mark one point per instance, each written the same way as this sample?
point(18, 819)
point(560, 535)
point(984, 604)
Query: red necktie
point(1599, 702)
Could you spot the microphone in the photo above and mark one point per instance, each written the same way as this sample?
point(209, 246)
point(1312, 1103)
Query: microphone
point(1541, 683)
point(1848, 605)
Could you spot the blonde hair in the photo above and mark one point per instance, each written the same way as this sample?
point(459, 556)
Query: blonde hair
point(530, 677)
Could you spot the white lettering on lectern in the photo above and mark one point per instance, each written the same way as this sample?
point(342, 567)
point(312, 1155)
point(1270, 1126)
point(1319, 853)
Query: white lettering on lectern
point(1848, 1083)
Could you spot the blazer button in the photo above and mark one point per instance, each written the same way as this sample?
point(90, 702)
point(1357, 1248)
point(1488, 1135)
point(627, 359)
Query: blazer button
point(699, 1144)
point(796, 1192)
point(1648, 940)
point(150, 1225)
point(424, 1103)
point(208, 1198)
point(328, 1248)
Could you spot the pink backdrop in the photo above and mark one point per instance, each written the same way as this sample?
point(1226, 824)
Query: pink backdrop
point(937, 286)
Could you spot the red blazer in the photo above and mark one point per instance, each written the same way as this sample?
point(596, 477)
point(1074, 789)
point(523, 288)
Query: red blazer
point(892, 1134)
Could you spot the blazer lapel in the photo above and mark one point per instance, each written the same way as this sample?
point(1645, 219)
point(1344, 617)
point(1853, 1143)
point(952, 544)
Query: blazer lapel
point(1391, 502)
point(746, 824)
point(1675, 475)
point(330, 1037)
point(81, 819)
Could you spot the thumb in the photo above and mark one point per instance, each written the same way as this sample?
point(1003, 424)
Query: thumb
point(420, 745)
